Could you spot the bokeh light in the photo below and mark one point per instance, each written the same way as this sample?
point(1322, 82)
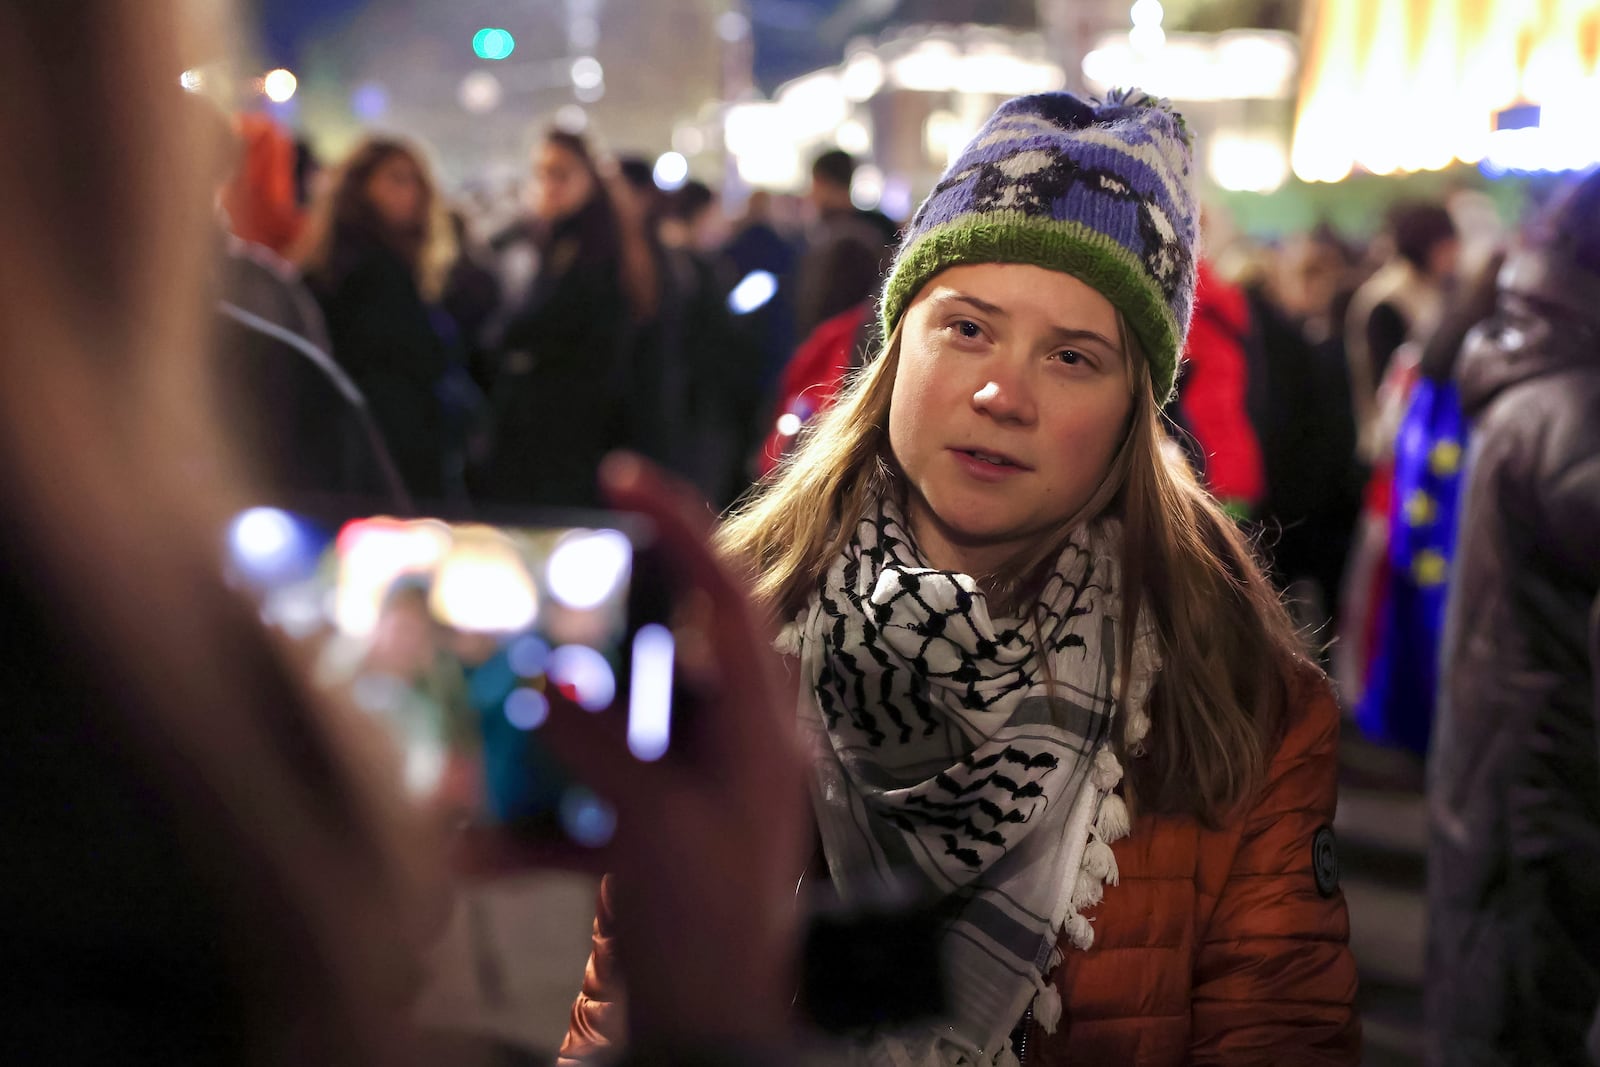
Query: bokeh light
point(584, 674)
point(527, 709)
point(587, 819)
point(480, 92)
point(370, 101)
point(588, 566)
point(493, 43)
point(753, 292)
point(650, 693)
point(572, 119)
point(587, 73)
point(671, 171)
point(280, 86)
point(266, 544)
point(528, 657)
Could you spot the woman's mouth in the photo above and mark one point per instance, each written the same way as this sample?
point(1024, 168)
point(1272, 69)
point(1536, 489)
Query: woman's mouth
point(987, 466)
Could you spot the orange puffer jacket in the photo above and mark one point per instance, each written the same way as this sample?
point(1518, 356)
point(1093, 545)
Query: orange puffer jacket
point(1225, 946)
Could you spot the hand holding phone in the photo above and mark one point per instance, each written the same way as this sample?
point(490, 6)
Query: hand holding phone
point(712, 840)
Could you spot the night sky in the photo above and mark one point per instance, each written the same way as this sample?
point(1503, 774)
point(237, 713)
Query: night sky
point(787, 43)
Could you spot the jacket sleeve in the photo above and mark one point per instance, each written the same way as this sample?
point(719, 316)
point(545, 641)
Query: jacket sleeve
point(597, 1024)
point(1275, 981)
point(1213, 398)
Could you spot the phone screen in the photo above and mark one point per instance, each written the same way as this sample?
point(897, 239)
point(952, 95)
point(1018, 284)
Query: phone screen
point(455, 635)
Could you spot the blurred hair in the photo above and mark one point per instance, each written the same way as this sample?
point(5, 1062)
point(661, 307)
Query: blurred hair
point(118, 486)
point(638, 173)
point(600, 234)
point(1418, 228)
point(596, 225)
point(1571, 223)
point(345, 223)
point(835, 166)
point(690, 201)
point(1230, 652)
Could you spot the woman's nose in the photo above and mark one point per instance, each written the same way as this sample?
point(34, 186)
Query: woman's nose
point(1004, 398)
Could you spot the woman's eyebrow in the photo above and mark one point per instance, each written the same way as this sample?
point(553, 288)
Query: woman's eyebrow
point(1068, 334)
point(950, 296)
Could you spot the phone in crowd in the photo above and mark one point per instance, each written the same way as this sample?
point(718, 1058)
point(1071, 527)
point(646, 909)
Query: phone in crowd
point(456, 634)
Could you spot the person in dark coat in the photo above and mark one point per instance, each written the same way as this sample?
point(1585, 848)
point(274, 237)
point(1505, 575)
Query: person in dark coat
point(847, 250)
point(1514, 775)
point(757, 245)
point(300, 423)
point(375, 258)
point(561, 385)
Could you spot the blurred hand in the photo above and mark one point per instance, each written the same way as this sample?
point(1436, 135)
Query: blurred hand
point(712, 839)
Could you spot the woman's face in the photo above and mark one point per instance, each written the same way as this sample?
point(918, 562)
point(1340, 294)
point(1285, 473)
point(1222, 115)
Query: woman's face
point(562, 184)
point(396, 193)
point(1010, 402)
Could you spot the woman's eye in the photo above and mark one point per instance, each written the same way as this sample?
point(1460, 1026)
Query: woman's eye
point(1071, 357)
point(969, 329)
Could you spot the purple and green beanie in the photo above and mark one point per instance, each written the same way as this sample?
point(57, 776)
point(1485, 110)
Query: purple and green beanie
point(1096, 189)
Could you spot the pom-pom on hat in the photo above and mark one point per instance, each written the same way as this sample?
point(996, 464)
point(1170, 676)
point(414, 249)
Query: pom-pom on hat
point(1096, 189)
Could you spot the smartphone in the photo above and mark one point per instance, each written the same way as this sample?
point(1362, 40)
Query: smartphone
point(456, 633)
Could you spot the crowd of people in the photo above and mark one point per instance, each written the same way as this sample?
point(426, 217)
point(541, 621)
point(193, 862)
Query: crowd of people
point(1049, 549)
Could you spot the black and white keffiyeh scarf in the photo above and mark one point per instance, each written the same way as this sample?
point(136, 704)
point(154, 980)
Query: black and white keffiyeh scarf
point(968, 757)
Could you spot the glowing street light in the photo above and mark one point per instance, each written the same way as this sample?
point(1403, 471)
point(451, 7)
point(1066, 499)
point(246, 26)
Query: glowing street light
point(279, 86)
point(480, 92)
point(587, 73)
point(671, 171)
point(493, 43)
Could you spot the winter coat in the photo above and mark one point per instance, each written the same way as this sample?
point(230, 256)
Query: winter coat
point(1224, 945)
point(812, 378)
point(297, 421)
point(1514, 776)
point(1212, 389)
point(843, 264)
point(384, 339)
point(1395, 305)
point(560, 393)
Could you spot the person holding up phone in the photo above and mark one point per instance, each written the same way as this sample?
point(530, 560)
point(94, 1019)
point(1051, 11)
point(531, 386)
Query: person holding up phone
point(206, 861)
point(1043, 680)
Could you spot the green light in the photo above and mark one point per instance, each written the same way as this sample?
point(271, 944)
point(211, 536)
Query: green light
point(492, 43)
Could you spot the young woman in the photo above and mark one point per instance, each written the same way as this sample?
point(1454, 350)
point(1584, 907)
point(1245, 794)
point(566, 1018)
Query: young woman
point(560, 394)
point(1044, 679)
point(375, 255)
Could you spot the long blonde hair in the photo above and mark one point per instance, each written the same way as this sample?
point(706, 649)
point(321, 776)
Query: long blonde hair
point(1230, 651)
point(117, 485)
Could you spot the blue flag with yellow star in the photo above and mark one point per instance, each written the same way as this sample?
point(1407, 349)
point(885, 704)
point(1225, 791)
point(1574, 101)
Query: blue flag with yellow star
point(1397, 706)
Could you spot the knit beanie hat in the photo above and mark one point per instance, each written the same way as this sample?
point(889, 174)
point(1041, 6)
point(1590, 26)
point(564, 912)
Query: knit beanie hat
point(1096, 189)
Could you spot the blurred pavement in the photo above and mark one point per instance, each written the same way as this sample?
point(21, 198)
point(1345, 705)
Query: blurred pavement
point(1382, 832)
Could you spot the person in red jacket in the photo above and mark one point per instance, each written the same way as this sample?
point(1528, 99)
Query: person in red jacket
point(1211, 395)
point(1043, 682)
point(812, 380)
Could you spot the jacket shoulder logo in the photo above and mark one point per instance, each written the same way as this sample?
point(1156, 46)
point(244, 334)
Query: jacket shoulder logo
point(1325, 861)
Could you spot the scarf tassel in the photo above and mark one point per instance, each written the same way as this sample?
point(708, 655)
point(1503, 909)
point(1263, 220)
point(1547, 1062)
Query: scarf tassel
point(1100, 862)
point(1107, 771)
point(1088, 892)
point(1112, 822)
point(1079, 932)
point(1047, 1007)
